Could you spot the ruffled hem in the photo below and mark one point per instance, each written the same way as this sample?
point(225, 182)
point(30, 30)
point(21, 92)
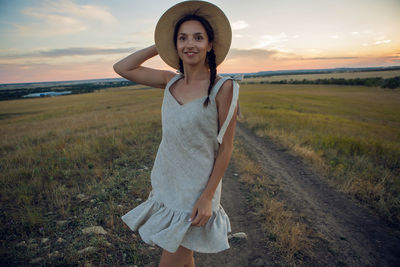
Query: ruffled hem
point(169, 228)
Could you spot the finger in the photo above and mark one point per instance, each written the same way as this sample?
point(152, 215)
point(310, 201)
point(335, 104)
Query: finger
point(194, 212)
point(197, 219)
point(206, 219)
point(203, 221)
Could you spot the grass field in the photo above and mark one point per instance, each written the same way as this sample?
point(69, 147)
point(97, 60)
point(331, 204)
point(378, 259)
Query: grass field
point(345, 75)
point(72, 162)
point(349, 133)
point(82, 160)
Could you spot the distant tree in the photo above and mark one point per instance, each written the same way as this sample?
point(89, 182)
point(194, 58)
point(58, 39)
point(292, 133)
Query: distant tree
point(391, 83)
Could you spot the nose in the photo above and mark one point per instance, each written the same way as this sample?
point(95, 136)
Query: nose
point(190, 42)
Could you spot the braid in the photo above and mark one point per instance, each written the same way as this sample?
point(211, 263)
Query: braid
point(180, 66)
point(213, 74)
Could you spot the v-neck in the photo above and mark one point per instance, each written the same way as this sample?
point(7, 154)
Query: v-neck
point(176, 101)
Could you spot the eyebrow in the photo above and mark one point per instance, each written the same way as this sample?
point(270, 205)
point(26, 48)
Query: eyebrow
point(196, 33)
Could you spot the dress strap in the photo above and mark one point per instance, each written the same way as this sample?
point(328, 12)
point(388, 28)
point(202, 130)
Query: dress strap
point(234, 102)
point(217, 86)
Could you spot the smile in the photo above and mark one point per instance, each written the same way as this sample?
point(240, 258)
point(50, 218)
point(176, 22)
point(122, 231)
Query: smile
point(190, 54)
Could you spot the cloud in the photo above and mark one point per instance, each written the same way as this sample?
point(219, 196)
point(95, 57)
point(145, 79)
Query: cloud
point(239, 25)
point(73, 51)
point(250, 53)
point(262, 54)
point(268, 40)
point(62, 17)
point(334, 36)
point(142, 35)
point(11, 73)
point(379, 42)
point(52, 25)
point(314, 50)
point(382, 42)
point(326, 58)
point(71, 9)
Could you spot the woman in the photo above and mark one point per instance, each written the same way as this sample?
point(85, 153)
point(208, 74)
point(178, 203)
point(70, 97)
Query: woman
point(183, 213)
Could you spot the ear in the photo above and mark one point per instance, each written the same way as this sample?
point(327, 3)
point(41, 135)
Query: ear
point(209, 47)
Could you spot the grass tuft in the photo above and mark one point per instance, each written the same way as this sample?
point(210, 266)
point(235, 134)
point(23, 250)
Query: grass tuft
point(284, 229)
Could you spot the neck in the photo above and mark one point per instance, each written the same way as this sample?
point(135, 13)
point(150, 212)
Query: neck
point(195, 72)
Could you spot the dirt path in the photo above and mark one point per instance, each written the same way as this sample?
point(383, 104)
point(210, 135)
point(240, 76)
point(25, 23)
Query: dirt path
point(250, 252)
point(351, 235)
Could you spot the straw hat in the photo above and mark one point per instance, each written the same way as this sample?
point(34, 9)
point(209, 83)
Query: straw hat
point(164, 31)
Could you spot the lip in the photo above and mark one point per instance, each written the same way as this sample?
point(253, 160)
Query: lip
point(190, 53)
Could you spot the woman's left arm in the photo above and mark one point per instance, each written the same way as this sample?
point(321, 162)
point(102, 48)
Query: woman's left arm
point(203, 205)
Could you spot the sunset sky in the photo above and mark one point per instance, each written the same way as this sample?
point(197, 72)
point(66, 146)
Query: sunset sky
point(75, 40)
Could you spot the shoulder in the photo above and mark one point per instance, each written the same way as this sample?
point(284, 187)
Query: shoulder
point(225, 94)
point(169, 75)
point(170, 78)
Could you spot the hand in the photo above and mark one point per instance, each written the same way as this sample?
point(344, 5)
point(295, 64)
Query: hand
point(201, 212)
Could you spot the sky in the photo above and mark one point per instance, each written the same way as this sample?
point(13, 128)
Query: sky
point(59, 40)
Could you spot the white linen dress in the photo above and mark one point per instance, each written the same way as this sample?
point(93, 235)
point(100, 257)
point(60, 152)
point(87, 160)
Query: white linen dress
point(182, 167)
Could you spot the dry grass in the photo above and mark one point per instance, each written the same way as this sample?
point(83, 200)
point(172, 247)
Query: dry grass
point(284, 228)
point(82, 159)
point(345, 75)
point(350, 134)
point(85, 159)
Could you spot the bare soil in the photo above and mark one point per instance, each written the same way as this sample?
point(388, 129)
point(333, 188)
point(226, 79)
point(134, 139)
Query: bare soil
point(254, 251)
point(348, 234)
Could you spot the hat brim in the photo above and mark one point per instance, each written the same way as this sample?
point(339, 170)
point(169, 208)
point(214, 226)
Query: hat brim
point(163, 35)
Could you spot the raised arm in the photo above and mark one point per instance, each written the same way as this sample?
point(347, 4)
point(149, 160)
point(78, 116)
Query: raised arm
point(130, 68)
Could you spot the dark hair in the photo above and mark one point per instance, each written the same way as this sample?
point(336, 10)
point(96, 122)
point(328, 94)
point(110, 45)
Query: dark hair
point(210, 55)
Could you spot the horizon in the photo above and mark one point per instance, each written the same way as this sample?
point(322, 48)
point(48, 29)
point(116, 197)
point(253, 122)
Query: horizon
point(71, 40)
point(378, 68)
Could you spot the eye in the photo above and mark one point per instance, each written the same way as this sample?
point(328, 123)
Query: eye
point(199, 37)
point(181, 38)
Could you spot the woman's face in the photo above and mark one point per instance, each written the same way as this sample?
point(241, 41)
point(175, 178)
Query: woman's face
point(192, 43)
